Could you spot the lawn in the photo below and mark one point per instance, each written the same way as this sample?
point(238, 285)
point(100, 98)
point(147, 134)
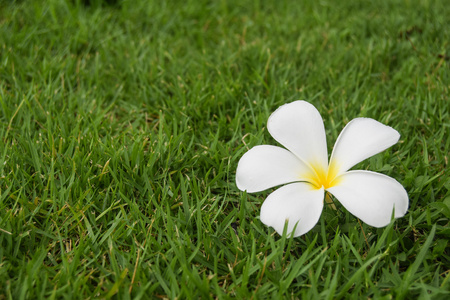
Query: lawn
point(122, 124)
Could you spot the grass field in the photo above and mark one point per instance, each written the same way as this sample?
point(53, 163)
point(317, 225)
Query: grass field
point(121, 126)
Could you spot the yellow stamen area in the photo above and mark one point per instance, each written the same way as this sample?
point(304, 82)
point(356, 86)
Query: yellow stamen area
point(321, 177)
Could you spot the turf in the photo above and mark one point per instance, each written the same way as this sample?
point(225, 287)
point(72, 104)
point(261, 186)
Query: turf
point(122, 123)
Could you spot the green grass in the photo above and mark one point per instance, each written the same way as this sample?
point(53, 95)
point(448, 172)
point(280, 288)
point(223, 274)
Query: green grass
point(121, 126)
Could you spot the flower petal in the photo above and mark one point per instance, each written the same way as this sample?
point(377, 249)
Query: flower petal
point(265, 166)
point(299, 127)
point(371, 196)
point(361, 139)
point(296, 203)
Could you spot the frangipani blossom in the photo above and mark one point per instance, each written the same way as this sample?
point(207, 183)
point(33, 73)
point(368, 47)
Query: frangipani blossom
point(303, 170)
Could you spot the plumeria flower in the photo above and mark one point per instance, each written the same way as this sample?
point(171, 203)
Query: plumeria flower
point(305, 173)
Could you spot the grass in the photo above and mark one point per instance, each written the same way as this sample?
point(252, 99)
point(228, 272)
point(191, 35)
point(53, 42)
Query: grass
point(121, 126)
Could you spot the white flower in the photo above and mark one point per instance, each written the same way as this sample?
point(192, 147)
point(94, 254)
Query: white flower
point(304, 170)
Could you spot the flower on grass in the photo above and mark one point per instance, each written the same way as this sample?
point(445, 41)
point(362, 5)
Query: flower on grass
point(305, 173)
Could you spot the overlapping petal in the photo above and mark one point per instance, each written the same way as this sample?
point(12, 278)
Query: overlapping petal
point(371, 196)
point(361, 139)
point(297, 203)
point(299, 127)
point(265, 166)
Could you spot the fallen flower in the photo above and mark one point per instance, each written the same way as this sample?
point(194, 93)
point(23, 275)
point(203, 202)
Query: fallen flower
point(305, 174)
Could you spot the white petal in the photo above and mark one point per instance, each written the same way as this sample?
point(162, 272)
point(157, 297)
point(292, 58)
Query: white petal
point(298, 203)
point(265, 166)
point(371, 196)
point(361, 139)
point(299, 127)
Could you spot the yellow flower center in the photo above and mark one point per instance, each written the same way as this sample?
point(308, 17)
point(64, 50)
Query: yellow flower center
point(321, 177)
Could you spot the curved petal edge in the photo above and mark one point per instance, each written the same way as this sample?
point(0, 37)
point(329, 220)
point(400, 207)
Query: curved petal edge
point(360, 139)
point(266, 166)
point(299, 127)
point(371, 196)
point(299, 204)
